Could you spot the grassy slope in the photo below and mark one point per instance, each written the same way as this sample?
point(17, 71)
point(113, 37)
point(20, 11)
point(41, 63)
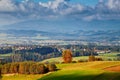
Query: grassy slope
point(105, 56)
point(84, 71)
point(21, 77)
point(60, 59)
point(75, 71)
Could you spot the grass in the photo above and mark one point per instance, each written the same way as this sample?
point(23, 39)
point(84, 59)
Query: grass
point(75, 71)
point(21, 77)
point(111, 56)
point(104, 56)
point(5, 55)
point(84, 71)
point(60, 59)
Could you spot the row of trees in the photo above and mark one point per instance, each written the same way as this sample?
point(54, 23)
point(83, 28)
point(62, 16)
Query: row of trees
point(5, 50)
point(27, 68)
point(41, 50)
point(30, 57)
point(30, 49)
point(67, 57)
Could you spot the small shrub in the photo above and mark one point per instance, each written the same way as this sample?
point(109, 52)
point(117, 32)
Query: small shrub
point(51, 67)
point(62, 62)
point(98, 59)
point(74, 61)
point(91, 58)
point(109, 59)
point(79, 61)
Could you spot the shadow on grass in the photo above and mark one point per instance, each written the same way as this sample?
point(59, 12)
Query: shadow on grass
point(103, 76)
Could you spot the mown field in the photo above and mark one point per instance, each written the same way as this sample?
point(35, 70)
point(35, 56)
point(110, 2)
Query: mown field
point(84, 71)
point(75, 71)
point(20, 77)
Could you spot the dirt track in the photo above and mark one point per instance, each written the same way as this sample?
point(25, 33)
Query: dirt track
point(113, 68)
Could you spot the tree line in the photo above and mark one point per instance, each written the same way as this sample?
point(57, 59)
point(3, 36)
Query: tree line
point(30, 57)
point(27, 68)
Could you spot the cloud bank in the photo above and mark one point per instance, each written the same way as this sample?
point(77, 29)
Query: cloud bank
point(28, 9)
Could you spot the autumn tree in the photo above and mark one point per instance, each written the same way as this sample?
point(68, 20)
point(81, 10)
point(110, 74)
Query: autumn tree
point(27, 68)
point(67, 56)
point(6, 68)
point(22, 68)
point(41, 68)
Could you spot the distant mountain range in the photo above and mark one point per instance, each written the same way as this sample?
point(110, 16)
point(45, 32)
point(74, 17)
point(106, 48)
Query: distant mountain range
point(108, 35)
point(66, 25)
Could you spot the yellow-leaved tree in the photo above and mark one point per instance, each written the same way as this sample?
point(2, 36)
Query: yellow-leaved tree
point(67, 56)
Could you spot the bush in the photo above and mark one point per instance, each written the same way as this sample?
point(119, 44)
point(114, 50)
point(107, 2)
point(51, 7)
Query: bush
point(91, 58)
point(109, 59)
point(74, 61)
point(98, 59)
point(51, 67)
point(79, 61)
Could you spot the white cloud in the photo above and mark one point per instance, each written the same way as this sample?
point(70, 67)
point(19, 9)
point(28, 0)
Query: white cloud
point(54, 5)
point(7, 5)
point(6, 19)
point(114, 4)
point(28, 9)
point(89, 18)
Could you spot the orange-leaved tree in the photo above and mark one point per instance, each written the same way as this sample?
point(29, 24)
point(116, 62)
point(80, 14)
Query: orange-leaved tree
point(67, 56)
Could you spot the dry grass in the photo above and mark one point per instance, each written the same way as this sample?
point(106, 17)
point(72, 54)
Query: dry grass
point(113, 68)
point(77, 71)
point(21, 77)
point(84, 71)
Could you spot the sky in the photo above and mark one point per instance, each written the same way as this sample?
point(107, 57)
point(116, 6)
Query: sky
point(85, 2)
point(60, 15)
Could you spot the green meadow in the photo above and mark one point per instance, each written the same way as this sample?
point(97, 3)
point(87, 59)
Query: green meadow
point(20, 77)
point(105, 56)
point(84, 71)
point(74, 71)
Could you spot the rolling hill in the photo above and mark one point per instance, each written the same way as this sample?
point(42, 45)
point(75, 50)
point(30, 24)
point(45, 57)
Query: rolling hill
point(84, 71)
point(99, 70)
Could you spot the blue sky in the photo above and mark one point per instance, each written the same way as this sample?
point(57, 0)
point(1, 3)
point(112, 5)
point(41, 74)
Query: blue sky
point(84, 2)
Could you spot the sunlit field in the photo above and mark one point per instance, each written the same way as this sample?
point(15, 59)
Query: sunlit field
point(75, 71)
point(98, 70)
point(21, 77)
point(84, 71)
point(104, 56)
